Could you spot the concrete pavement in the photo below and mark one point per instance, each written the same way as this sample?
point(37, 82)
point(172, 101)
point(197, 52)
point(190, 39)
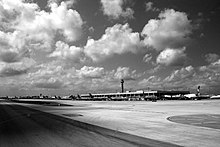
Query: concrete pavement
point(21, 126)
point(145, 119)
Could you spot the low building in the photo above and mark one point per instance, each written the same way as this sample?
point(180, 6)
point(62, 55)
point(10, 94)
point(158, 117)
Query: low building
point(137, 95)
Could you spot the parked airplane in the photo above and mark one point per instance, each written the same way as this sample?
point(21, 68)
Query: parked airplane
point(215, 97)
point(197, 96)
point(190, 96)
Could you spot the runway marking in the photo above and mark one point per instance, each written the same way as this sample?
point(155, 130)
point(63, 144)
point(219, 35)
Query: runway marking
point(202, 120)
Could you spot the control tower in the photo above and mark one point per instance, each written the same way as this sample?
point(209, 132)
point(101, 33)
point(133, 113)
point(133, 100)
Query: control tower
point(122, 85)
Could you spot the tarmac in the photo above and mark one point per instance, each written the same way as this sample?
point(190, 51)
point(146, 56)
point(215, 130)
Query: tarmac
point(183, 123)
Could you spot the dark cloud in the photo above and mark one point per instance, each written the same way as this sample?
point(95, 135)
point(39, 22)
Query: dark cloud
point(15, 68)
point(8, 72)
point(9, 57)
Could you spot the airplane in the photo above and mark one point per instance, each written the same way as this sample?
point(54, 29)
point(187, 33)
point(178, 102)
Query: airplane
point(196, 96)
point(190, 96)
point(215, 97)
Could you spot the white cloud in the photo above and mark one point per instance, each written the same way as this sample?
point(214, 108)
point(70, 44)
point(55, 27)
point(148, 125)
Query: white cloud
point(118, 39)
point(91, 72)
point(12, 46)
point(213, 67)
point(125, 73)
point(88, 77)
point(25, 25)
point(51, 75)
point(61, 19)
point(149, 7)
point(181, 78)
point(172, 29)
point(24, 28)
point(156, 68)
point(147, 58)
point(49, 84)
point(181, 74)
point(65, 52)
point(216, 63)
point(114, 9)
point(210, 75)
point(151, 82)
point(191, 77)
point(66, 19)
point(46, 71)
point(172, 57)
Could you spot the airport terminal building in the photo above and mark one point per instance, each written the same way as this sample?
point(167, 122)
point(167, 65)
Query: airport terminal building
point(137, 95)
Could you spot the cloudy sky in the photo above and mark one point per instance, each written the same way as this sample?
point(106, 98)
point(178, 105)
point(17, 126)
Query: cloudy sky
point(80, 46)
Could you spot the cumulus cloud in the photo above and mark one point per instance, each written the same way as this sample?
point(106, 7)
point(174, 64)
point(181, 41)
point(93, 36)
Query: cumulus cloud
point(216, 63)
point(125, 73)
point(114, 9)
point(211, 57)
point(152, 82)
point(213, 67)
point(46, 71)
point(210, 74)
point(149, 7)
point(97, 78)
point(180, 78)
point(68, 20)
point(190, 77)
point(25, 27)
point(49, 84)
point(154, 69)
point(24, 24)
point(91, 72)
point(118, 39)
point(172, 29)
point(172, 57)
point(12, 47)
point(50, 75)
point(61, 19)
point(187, 78)
point(65, 52)
point(181, 74)
point(147, 58)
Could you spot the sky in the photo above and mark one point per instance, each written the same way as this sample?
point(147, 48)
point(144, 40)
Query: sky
point(68, 47)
